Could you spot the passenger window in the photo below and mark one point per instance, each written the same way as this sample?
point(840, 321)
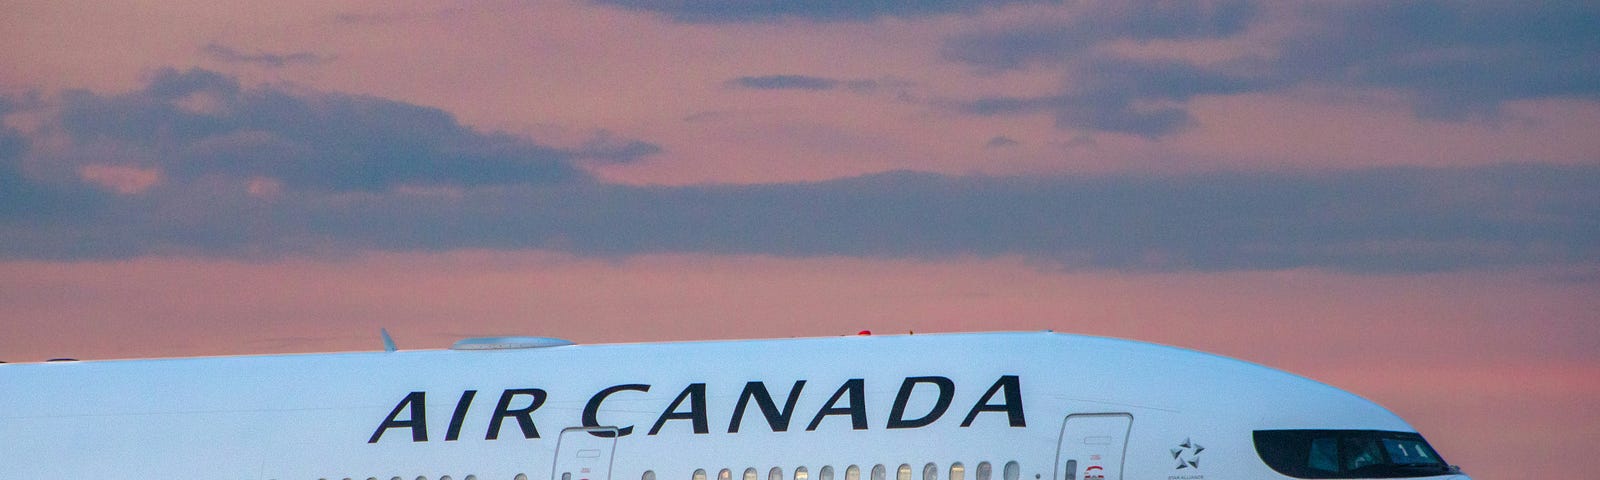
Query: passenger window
point(852, 473)
point(775, 474)
point(750, 473)
point(521, 476)
point(725, 474)
point(826, 473)
point(958, 472)
point(879, 473)
point(648, 475)
point(903, 473)
point(564, 476)
point(699, 474)
point(930, 471)
point(1013, 471)
point(985, 471)
point(446, 477)
point(800, 473)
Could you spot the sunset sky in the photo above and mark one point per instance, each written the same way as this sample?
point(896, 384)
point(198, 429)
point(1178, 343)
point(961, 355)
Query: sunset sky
point(1398, 198)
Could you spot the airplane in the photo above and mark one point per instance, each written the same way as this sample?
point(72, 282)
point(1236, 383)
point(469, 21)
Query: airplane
point(974, 406)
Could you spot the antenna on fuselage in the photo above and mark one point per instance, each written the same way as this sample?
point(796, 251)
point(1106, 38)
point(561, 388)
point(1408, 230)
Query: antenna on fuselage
point(388, 341)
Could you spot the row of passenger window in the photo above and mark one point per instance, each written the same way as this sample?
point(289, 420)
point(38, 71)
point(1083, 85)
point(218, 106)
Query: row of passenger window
point(520, 476)
point(930, 471)
point(446, 477)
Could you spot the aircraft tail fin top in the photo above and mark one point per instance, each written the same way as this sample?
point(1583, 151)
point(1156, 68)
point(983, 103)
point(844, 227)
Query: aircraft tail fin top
point(388, 341)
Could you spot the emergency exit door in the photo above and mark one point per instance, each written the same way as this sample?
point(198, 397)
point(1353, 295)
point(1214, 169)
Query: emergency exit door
point(1092, 446)
point(584, 453)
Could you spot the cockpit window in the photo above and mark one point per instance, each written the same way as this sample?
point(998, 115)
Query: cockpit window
point(1348, 454)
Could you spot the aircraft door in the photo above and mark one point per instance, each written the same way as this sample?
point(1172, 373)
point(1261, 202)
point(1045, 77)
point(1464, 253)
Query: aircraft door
point(1092, 446)
point(584, 453)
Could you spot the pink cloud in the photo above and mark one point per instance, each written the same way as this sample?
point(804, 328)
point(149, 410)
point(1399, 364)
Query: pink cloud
point(121, 179)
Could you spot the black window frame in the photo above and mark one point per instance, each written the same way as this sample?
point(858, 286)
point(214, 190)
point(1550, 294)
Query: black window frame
point(1287, 452)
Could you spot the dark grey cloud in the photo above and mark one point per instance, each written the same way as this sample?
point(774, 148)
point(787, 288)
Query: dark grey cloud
point(341, 160)
point(611, 149)
point(735, 11)
point(26, 202)
point(226, 54)
point(196, 124)
point(1455, 58)
point(1001, 141)
point(1110, 93)
point(1452, 60)
point(801, 82)
point(1394, 219)
point(15, 189)
point(1100, 22)
point(785, 82)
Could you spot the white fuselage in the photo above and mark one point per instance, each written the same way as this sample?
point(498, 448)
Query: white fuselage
point(1114, 408)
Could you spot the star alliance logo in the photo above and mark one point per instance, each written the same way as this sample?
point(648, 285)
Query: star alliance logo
point(1187, 454)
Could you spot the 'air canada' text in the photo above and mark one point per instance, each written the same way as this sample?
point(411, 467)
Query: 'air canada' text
point(848, 401)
